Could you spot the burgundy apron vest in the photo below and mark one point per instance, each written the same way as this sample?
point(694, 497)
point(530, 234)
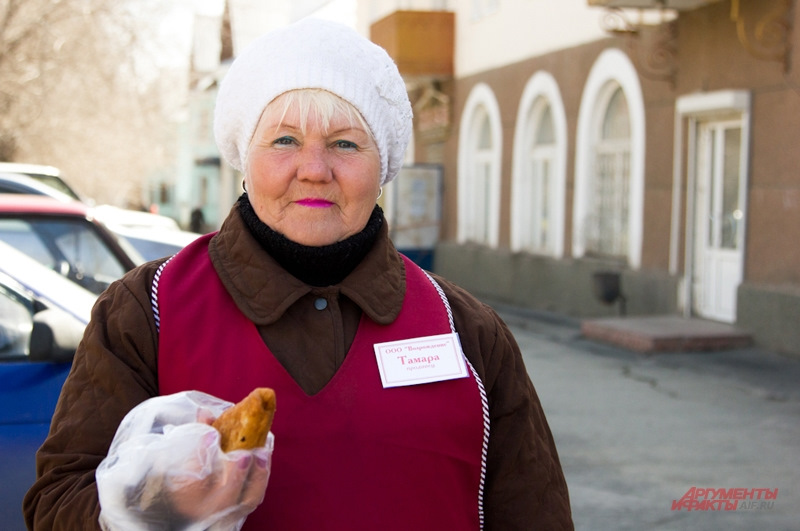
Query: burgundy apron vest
point(355, 455)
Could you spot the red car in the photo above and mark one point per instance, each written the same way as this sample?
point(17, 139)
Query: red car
point(66, 238)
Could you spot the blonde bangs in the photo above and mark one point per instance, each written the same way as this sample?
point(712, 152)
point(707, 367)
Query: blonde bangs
point(319, 104)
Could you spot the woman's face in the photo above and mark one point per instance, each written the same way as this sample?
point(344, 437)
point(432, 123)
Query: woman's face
point(318, 187)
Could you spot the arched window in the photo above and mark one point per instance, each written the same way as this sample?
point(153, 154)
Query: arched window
point(609, 209)
point(539, 172)
point(480, 144)
point(609, 166)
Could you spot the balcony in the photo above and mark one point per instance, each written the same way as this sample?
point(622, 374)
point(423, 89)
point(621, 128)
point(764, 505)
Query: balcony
point(678, 5)
point(422, 43)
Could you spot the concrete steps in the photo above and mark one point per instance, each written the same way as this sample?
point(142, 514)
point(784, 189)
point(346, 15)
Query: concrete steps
point(665, 333)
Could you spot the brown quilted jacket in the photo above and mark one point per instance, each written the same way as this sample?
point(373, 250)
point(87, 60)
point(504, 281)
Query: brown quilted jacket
point(115, 369)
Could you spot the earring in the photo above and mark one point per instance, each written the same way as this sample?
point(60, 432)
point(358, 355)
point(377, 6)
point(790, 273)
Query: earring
point(380, 193)
point(244, 186)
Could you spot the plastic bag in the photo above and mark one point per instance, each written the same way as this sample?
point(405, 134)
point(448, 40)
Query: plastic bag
point(165, 469)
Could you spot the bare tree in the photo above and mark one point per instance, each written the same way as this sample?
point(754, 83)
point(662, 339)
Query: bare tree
point(80, 89)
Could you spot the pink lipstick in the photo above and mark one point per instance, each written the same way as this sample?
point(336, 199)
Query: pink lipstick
point(314, 203)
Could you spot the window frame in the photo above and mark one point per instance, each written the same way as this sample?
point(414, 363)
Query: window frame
point(612, 67)
point(541, 90)
point(480, 100)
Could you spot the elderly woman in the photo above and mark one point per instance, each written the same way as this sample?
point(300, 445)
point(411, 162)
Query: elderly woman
point(403, 402)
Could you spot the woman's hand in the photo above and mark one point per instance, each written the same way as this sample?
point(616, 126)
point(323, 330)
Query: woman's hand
point(234, 487)
point(165, 465)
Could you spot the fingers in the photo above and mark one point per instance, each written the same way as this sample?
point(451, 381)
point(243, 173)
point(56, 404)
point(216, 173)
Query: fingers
point(237, 483)
point(253, 492)
point(205, 416)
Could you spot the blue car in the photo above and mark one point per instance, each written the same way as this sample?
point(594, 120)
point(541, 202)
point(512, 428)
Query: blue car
point(42, 318)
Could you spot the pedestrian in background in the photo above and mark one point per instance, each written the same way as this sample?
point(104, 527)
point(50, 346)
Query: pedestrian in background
point(403, 402)
point(197, 221)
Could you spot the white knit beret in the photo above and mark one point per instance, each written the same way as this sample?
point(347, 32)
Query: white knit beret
point(314, 53)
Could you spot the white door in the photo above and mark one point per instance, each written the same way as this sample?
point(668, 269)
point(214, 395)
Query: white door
point(719, 220)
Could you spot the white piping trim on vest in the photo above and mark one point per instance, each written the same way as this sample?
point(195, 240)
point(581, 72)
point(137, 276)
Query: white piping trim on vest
point(484, 402)
point(154, 294)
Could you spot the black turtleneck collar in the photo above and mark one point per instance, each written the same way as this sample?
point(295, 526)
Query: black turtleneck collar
point(316, 266)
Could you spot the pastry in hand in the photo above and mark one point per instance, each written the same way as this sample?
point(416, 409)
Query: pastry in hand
point(245, 425)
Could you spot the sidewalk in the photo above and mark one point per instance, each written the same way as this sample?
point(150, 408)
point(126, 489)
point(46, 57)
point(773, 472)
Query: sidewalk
point(637, 431)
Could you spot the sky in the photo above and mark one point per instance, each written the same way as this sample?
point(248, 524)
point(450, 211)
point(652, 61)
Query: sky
point(177, 23)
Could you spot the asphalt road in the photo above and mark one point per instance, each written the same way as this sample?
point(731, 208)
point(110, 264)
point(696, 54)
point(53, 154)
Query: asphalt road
point(637, 432)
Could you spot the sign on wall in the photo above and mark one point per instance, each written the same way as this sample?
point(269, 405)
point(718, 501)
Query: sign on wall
point(415, 213)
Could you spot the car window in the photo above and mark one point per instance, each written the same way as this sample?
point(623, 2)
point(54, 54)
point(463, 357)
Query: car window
point(55, 182)
point(16, 323)
point(7, 188)
point(21, 235)
point(70, 247)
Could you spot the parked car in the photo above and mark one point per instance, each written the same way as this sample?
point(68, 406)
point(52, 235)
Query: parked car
point(153, 243)
point(111, 215)
point(48, 175)
point(19, 183)
point(66, 238)
point(42, 319)
point(152, 235)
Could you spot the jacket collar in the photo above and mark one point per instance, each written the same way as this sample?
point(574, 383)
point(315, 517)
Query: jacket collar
point(263, 290)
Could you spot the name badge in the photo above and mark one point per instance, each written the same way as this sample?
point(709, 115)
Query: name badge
point(420, 360)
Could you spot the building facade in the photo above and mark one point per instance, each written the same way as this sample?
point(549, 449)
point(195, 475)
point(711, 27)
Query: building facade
point(656, 146)
point(646, 142)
